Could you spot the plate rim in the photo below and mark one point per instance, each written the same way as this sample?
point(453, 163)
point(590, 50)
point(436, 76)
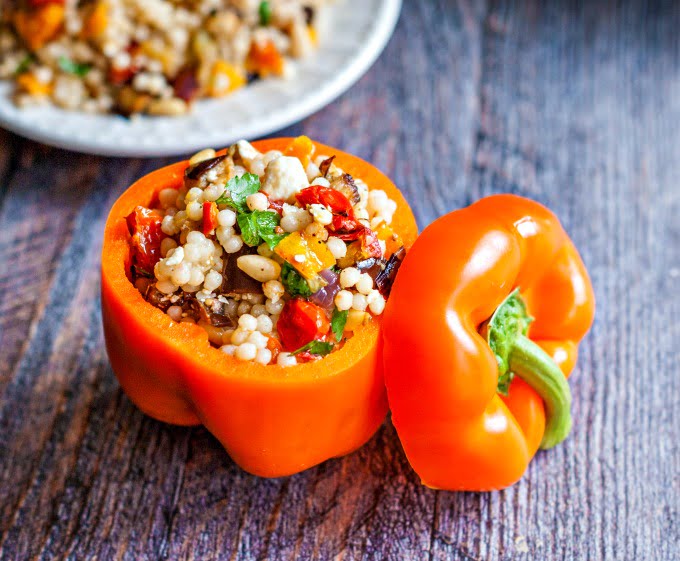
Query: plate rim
point(360, 62)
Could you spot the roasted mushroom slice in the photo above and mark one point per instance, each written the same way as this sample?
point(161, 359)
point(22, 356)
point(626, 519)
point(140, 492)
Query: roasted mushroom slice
point(197, 175)
point(385, 279)
point(325, 166)
point(215, 312)
point(372, 266)
point(345, 184)
point(129, 101)
point(160, 300)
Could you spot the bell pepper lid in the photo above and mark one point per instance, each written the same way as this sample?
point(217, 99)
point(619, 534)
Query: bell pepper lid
point(414, 391)
point(440, 368)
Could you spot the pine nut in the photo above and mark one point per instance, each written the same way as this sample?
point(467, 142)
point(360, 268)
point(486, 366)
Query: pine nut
point(206, 154)
point(260, 268)
point(170, 106)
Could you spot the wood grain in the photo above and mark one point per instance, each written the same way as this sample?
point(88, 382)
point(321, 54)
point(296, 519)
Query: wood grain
point(574, 104)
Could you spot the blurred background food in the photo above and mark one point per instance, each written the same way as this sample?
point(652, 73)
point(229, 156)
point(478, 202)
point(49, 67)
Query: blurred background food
point(148, 56)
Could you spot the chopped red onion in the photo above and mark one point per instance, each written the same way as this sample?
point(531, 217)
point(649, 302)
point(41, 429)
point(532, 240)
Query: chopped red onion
point(325, 296)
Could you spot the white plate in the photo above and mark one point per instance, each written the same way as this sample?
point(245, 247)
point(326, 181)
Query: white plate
point(364, 27)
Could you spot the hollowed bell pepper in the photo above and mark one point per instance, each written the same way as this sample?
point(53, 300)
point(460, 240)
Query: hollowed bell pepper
point(457, 328)
point(273, 421)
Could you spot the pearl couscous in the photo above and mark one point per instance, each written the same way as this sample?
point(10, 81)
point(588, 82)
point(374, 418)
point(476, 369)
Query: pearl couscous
point(148, 56)
point(279, 256)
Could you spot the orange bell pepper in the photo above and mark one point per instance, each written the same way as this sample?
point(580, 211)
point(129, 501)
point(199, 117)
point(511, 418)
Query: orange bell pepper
point(447, 362)
point(96, 21)
point(29, 83)
point(265, 59)
point(40, 24)
point(272, 420)
point(302, 148)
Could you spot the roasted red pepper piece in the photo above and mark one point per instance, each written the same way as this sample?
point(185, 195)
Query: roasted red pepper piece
point(274, 345)
point(186, 85)
point(301, 322)
point(275, 204)
point(370, 244)
point(145, 228)
point(349, 229)
point(209, 217)
point(344, 226)
point(265, 59)
point(36, 3)
point(327, 196)
point(120, 76)
point(306, 356)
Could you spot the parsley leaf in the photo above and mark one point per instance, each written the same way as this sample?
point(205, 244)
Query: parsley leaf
point(321, 348)
point(70, 67)
point(24, 65)
point(272, 238)
point(293, 281)
point(259, 225)
point(266, 225)
point(338, 322)
point(238, 189)
point(248, 228)
point(265, 11)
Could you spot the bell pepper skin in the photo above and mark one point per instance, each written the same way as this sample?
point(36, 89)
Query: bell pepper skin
point(273, 421)
point(457, 431)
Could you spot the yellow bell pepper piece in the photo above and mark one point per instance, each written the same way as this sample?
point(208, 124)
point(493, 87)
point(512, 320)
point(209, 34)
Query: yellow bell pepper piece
point(225, 78)
point(96, 21)
point(355, 319)
point(313, 35)
point(392, 240)
point(29, 83)
point(308, 256)
point(302, 148)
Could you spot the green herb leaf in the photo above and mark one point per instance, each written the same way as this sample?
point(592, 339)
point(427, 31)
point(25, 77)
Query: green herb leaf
point(338, 321)
point(293, 282)
point(259, 225)
point(248, 229)
point(238, 189)
point(265, 13)
point(272, 238)
point(321, 348)
point(267, 222)
point(67, 65)
point(24, 65)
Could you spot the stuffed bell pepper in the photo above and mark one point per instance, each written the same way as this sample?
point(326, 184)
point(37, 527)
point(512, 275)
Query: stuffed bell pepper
point(244, 290)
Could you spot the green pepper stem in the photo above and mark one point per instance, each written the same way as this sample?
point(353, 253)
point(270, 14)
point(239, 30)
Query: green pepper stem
point(531, 363)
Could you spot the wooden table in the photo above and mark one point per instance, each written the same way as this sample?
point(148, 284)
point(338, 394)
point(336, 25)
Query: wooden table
point(576, 106)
